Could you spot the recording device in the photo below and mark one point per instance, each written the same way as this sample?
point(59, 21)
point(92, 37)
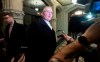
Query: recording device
point(62, 32)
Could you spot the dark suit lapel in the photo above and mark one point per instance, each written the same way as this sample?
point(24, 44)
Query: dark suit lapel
point(53, 31)
point(7, 31)
point(41, 21)
point(13, 29)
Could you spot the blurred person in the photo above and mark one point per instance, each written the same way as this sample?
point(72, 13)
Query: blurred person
point(41, 38)
point(14, 37)
point(91, 35)
point(1, 45)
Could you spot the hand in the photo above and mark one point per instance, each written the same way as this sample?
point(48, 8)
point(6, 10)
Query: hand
point(58, 60)
point(2, 40)
point(21, 59)
point(68, 38)
point(54, 60)
point(12, 60)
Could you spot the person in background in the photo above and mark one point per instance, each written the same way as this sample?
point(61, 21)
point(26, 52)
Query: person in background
point(91, 35)
point(14, 37)
point(1, 45)
point(41, 38)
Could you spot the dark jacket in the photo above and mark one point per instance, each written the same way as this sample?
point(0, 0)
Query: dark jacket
point(15, 41)
point(42, 41)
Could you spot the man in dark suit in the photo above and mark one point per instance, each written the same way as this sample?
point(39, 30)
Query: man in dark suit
point(14, 37)
point(41, 38)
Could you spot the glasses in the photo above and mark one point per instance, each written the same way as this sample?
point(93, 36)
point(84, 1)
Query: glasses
point(48, 12)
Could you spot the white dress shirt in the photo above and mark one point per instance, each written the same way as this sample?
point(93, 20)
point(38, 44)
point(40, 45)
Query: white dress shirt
point(48, 23)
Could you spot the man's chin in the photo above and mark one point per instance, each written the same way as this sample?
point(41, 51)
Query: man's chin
point(49, 19)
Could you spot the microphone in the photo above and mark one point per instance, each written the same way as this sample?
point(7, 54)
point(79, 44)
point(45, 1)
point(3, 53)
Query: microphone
point(61, 32)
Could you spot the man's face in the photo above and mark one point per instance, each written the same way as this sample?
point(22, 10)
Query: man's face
point(8, 19)
point(47, 13)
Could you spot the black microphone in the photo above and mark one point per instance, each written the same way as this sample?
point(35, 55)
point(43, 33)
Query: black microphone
point(61, 31)
point(61, 34)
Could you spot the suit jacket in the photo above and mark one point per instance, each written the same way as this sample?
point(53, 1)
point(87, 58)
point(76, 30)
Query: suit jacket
point(15, 41)
point(42, 41)
point(1, 36)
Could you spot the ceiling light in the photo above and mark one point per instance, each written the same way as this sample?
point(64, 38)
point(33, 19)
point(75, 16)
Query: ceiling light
point(74, 1)
point(36, 9)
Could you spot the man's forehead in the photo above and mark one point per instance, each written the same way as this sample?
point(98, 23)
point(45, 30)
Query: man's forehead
point(47, 9)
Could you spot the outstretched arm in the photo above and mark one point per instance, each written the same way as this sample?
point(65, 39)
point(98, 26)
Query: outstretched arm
point(92, 35)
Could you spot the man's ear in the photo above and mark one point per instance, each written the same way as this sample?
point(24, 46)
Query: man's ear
point(41, 13)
